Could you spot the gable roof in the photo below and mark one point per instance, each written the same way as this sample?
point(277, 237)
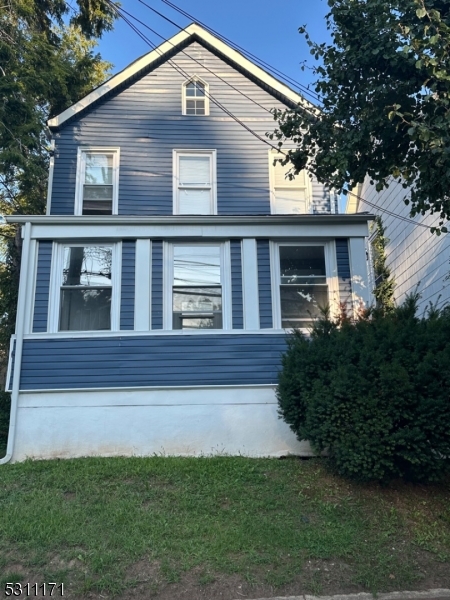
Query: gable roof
point(163, 53)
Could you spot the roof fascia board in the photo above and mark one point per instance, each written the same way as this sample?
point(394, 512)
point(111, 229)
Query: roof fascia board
point(193, 30)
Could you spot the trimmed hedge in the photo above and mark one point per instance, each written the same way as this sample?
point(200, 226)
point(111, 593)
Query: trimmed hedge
point(375, 394)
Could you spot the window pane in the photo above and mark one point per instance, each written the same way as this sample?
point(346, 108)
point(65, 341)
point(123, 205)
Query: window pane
point(195, 170)
point(99, 169)
point(290, 202)
point(197, 300)
point(90, 266)
point(202, 323)
point(302, 301)
point(195, 202)
point(97, 192)
point(97, 207)
point(85, 309)
point(196, 265)
point(199, 89)
point(298, 262)
point(200, 108)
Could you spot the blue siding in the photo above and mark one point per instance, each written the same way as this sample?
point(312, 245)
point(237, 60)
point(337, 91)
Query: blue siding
point(236, 284)
point(127, 285)
point(42, 286)
point(344, 274)
point(157, 284)
point(145, 121)
point(175, 360)
point(264, 285)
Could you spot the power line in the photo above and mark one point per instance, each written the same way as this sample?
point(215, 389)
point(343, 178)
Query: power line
point(229, 113)
point(267, 66)
point(197, 61)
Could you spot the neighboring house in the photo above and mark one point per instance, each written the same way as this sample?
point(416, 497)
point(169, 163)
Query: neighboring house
point(418, 259)
point(156, 293)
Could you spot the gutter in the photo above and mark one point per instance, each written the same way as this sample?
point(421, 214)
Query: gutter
point(20, 327)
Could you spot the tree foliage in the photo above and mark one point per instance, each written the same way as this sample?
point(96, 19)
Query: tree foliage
point(384, 282)
point(373, 393)
point(385, 89)
point(46, 64)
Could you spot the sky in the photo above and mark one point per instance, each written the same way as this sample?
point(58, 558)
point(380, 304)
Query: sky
point(268, 30)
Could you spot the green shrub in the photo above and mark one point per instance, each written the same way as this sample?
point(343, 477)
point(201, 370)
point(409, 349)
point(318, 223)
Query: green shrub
point(375, 394)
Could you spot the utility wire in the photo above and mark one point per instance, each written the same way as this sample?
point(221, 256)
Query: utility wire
point(197, 61)
point(236, 119)
point(267, 66)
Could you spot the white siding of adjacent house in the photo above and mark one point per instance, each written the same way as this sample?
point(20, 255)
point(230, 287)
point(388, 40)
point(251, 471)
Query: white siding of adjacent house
point(417, 258)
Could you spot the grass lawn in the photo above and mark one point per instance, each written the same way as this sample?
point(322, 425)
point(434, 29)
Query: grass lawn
point(216, 528)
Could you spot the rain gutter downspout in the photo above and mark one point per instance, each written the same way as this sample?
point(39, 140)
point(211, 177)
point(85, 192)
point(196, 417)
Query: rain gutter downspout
point(20, 326)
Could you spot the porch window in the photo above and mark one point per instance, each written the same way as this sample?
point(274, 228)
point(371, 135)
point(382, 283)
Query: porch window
point(303, 284)
point(86, 290)
point(197, 287)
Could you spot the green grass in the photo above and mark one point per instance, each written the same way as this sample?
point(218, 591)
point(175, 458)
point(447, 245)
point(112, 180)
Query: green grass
point(88, 521)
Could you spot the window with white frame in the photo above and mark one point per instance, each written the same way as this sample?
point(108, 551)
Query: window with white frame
point(97, 181)
point(85, 290)
point(195, 97)
point(288, 196)
point(303, 284)
point(198, 286)
point(194, 182)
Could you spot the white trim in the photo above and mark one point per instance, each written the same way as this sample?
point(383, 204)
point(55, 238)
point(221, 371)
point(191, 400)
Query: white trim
point(148, 59)
point(143, 286)
point(177, 154)
point(225, 281)
point(56, 278)
point(308, 187)
point(50, 177)
point(66, 335)
point(32, 275)
point(330, 269)
point(250, 288)
point(361, 293)
point(81, 167)
point(154, 388)
point(193, 79)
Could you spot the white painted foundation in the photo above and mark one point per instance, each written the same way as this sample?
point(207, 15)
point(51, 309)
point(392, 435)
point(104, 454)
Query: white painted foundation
point(143, 422)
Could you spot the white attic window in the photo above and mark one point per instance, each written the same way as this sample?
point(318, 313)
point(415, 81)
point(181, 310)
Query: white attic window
point(195, 98)
point(288, 196)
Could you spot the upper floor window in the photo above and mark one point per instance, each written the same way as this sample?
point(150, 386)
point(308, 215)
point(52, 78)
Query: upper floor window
point(194, 182)
point(288, 196)
point(195, 97)
point(97, 181)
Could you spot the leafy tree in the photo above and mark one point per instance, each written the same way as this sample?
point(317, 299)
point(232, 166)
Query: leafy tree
point(384, 282)
point(385, 89)
point(46, 64)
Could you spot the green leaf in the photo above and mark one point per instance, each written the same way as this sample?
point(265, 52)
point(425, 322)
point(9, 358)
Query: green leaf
point(421, 12)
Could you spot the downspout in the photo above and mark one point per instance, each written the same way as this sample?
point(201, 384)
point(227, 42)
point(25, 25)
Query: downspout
point(20, 325)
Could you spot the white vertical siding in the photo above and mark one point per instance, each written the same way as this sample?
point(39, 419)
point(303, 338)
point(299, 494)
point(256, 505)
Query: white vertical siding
point(416, 257)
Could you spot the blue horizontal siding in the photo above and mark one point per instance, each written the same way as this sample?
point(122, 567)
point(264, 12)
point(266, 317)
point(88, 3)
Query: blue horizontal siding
point(128, 285)
point(157, 284)
point(42, 286)
point(175, 360)
point(236, 284)
point(264, 285)
point(344, 274)
point(145, 120)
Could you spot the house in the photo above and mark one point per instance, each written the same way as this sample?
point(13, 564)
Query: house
point(156, 292)
point(418, 259)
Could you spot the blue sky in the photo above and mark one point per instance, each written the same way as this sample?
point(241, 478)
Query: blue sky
point(267, 29)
